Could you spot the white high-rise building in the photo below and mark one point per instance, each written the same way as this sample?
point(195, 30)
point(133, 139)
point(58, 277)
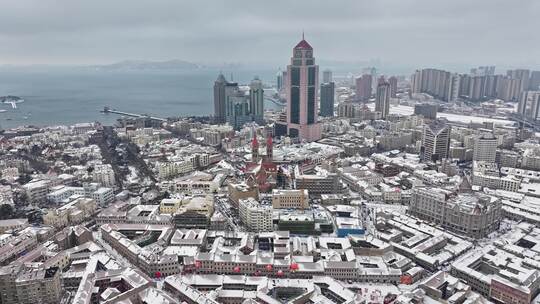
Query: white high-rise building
point(522, 75)
point(255, 216)
point(436, 140)
point(382, 100)
point(440, 84)
point(104, 175)
point(485, 148)
point(529, 104)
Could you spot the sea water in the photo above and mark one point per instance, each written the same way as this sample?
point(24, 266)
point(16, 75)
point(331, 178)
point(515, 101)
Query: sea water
point(68, 95)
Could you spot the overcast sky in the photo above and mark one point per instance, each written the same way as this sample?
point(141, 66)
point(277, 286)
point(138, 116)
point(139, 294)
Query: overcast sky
point(406, 32)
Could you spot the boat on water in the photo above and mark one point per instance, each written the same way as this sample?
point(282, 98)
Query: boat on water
point(2, 111)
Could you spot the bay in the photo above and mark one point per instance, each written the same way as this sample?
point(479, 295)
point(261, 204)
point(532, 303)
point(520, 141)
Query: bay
point(68, 95)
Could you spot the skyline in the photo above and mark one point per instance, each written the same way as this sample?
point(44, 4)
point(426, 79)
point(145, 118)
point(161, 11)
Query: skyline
point(308, 151)
point(420, 33)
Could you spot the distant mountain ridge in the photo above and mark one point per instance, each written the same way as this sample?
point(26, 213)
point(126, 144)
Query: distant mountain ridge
point(151, 65)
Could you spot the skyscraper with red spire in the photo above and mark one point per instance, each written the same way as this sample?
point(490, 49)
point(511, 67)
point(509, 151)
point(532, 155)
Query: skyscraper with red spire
point(301, 91)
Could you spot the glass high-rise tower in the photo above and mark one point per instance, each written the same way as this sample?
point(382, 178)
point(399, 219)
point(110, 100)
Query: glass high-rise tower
point(327, 99)
point(256, 100)
point(301, 89)
point(219, 99)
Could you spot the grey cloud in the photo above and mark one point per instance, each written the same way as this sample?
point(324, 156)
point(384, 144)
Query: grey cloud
point(408, 32)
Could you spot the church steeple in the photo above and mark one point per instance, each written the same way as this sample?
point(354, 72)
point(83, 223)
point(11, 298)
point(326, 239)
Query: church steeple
point(269, 148)
point(254, 148)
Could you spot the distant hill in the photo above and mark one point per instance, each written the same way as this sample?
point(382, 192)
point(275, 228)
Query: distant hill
point(151, 65)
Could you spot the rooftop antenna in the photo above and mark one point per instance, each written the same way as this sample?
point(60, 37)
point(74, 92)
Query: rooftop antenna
point(303, 35)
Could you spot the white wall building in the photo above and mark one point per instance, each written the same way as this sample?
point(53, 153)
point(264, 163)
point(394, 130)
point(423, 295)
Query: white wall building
point(255, 216)
point(485, 148)
point(104, 175)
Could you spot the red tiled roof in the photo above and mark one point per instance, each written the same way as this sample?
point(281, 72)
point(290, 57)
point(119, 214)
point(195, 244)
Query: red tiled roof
point(303, 45)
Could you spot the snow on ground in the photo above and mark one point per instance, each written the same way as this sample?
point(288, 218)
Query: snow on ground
point(375, 292)
point(133, 176)
point(406, 110)
point(225, 165)
point(388, 207)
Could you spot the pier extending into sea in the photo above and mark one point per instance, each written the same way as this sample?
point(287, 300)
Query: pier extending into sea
point(114, 111)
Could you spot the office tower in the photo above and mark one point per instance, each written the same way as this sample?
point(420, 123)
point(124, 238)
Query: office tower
point(393, 86)
point(440, 84)
point(237, 106)
point(363, 87)
point(327, 76)
point(358, 88)
point(534, 81)
point(485, 148)
point(279, 81)
point(327, 99)
point(256, 100)
point(373, 72)
point(219, 99)
point(427, 110)
point(301, 89)
point(382, 100)
point(436, 140)
point(529, 104)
